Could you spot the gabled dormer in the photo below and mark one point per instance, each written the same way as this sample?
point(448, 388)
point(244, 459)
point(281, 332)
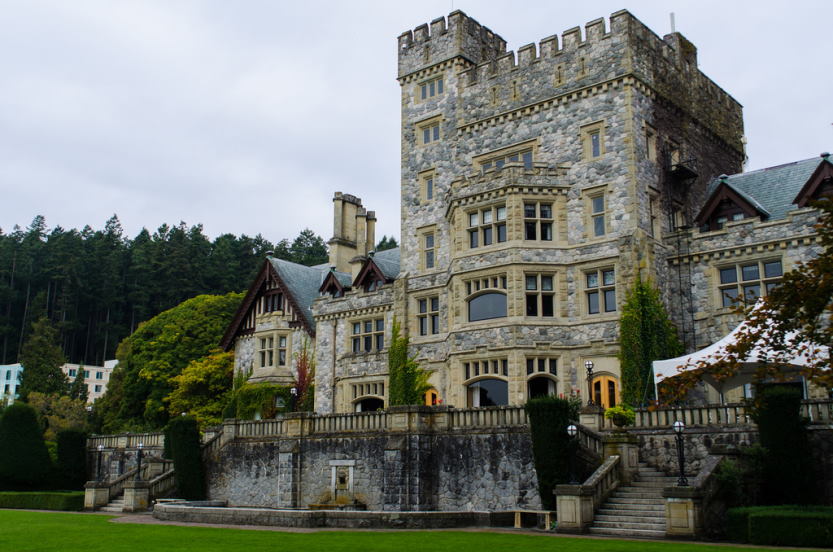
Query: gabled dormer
point(819, 185)
point(377, 270)
point(725, 204)
point(335, 284)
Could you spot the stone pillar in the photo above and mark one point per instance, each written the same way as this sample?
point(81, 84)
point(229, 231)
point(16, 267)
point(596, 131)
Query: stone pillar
point(625, 446)
point(412, 419)
point(288, 475)
point(683, 512)
point(394, 485)
point(96, 494)
point(229, 432)
point(136, 495)
point(297, 424)
point(591, 417)
point(575, 508)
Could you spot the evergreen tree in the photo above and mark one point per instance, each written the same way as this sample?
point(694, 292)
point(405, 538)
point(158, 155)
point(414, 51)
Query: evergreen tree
point(42, 359)
point(24, 461)
point(646, 335)
point(408, 382)
point(78, 389)
point(386, 243)
point(308, 249)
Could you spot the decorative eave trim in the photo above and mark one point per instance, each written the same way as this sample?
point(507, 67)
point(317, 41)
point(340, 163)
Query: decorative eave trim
point(824, 172)
point(356, 313)
point(744, 250)
point(438, 67)
point(233, 328)
point(722, 192)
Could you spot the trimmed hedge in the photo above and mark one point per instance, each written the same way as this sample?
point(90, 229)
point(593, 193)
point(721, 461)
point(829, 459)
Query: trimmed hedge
point(186, 452)
point(72, 501)
point(551, 446)
point(782, 525)
point(24, 461)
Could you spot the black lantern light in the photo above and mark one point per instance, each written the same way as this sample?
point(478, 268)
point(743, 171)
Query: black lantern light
point(139, 448)
point(572, 431)
point(98, 464)
point(679, 427)
point(588, 365)
point(294, 393)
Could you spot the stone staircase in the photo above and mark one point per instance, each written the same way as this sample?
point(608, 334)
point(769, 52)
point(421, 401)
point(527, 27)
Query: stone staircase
point(115, 506)
point(635, 510)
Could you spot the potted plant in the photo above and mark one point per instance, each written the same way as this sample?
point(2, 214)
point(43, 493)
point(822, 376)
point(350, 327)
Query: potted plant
point(621, 415)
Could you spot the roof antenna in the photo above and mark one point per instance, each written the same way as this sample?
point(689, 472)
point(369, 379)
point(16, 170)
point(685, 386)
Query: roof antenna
point(673, 25)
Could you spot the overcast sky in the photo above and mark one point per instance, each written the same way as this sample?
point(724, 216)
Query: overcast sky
point(247, 115)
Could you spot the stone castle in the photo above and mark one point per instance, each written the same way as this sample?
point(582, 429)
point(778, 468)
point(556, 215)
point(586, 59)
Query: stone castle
point(537, 186)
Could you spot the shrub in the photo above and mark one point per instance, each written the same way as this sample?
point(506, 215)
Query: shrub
point(72, 458)
point(24, 460)
point(548, 421)
point(621, 415)
point(186, 452)
point(792, 528)
point(72, 501)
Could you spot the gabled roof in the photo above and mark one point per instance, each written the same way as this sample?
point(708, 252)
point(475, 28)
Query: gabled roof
point(300, 286)
point(388, 262)
point(772, 190)
point(822, 174)
point(340, 280)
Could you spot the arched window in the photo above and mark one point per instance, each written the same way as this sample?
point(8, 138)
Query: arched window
point(370, 404)
point(488, 392)
point(540, 386)
point(487, 305)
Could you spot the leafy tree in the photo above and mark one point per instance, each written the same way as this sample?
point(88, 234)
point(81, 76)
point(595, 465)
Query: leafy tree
point(386, 243)
point(646, 335)
point(305, 378)
point(42, 359)
point(408, 383)
point(186, 451)
point(78, 388)
point(156, 353)
point(24, 460)
point(58, 413)
point(204, 388)
point(792, 320)
point(308, 249)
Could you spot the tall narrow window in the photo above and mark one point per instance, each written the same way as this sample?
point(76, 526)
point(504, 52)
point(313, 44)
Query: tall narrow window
point(650, 143)
point(597, 210)
point(431, 88)
point(429, 130)
point(600, 290)
point(592, 137)
point(428, 250)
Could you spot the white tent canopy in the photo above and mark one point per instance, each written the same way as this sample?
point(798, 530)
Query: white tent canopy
point(671, 367)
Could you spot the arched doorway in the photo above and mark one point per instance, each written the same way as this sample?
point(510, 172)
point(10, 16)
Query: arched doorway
point(540, 386)
point(370, 404)
point(432, 397)
point(488, 392)
point(605, 391)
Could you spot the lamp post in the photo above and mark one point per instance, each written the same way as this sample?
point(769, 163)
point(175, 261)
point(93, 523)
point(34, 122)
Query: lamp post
point(294, 393)
point(98, 464)
point(679, 427)
point(140, 446)
point(588, 365)
point(572, 431)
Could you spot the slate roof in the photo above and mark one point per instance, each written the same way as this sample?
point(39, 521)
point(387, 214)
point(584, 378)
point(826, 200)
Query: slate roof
point(302, 282)
point(388, 262)
point(773, 189)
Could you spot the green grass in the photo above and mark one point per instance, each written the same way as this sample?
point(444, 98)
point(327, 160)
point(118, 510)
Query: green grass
point(68, 532)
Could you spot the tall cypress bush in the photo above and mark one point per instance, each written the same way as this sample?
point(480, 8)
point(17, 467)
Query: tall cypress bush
point(186, 451)
point(72, 459)
point(408, 383)
point(24, 461)
point(548, 421)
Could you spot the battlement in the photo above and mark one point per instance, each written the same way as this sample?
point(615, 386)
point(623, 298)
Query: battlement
point(458, 35)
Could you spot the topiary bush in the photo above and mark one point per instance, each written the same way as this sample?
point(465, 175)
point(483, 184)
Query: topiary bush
point(782, 525)
point(186, 452)
point(72, 458)
point(551, 446)
point(72, 501)
point(24, 461)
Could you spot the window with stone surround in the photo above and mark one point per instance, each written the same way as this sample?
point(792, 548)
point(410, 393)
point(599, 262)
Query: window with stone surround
point(653, 213)
point(499, 161)
point(272, 350)
point(428, 249)
point(749, 281)
point(478, 368)
point(538, 220)
point(598, 214)
point(430, 88)
point(370, 388)
point(487, 226)
point(541, 373)
point(429, 130)
point(426, 185)
point(368, 336)
point(540, 294)
point(486, 298)
point(650, 143)
point(428, 315)
point(600, 290)
point(592, 140)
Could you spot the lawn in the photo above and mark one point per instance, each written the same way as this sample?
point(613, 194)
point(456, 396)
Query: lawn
point(68, 532)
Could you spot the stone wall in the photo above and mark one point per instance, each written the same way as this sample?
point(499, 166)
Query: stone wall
point(468, 470)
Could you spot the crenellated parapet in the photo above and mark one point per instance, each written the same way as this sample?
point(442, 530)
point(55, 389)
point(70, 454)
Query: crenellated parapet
point(446, 38)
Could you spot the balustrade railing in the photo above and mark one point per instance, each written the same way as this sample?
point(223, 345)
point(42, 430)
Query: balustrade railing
point(359, 421)
point(604, 480)
point(488, 417)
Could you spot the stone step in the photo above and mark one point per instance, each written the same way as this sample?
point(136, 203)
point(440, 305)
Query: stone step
point(643, 510)
point(618, 532)
point(112, 509)
point(632, 500)
point(641, 493)
point(657, 484)
point(630, 517)
point(633, 525)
